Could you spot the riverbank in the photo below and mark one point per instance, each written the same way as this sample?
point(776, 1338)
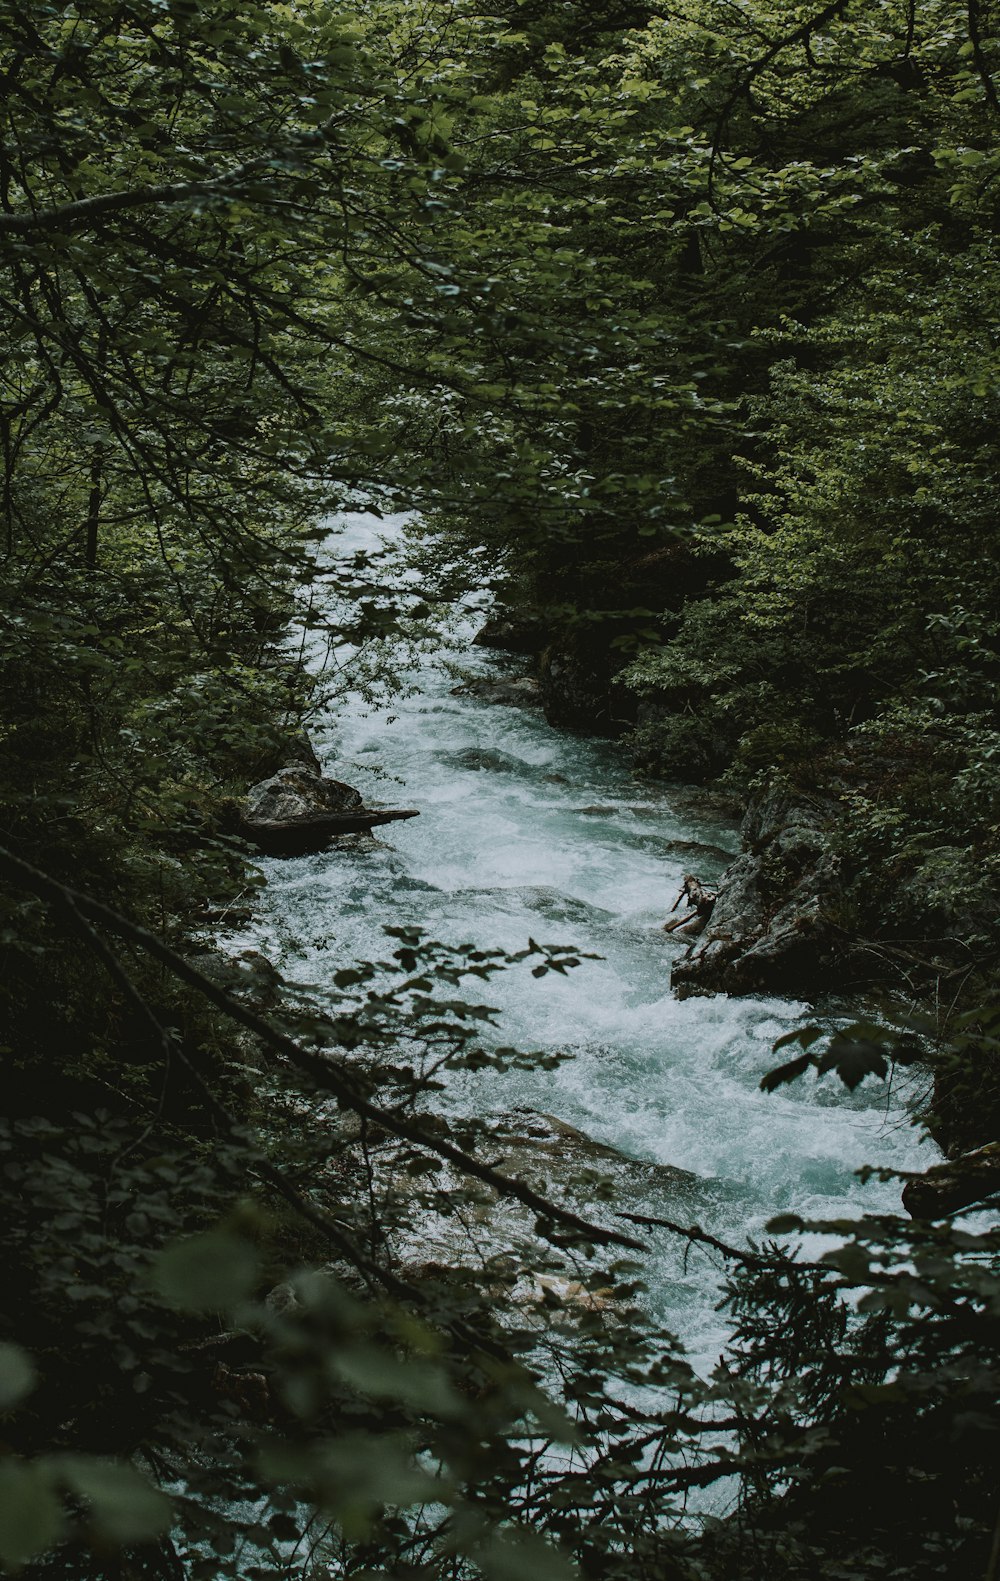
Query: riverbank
point(348, 1104)
point(833, 889)
point(529, 832)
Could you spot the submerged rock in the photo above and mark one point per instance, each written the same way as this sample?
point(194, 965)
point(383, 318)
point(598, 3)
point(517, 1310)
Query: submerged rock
point(488, 758)
point(512, 691)
point(297, 811)
point(563, 1291)
point(532, 1145)
point(550, 902)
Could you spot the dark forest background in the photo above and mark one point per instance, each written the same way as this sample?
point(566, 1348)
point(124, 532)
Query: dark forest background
point(678, 327)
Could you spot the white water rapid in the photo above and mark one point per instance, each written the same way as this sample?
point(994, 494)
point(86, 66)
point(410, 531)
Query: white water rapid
point(525, 831)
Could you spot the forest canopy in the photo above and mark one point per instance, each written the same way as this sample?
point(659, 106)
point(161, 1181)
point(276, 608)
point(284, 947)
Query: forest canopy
point(677, 327)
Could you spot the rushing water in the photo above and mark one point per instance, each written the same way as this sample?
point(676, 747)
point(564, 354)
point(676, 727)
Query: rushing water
point(526, 831)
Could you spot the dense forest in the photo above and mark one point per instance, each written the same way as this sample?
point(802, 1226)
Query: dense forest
point(677, 329)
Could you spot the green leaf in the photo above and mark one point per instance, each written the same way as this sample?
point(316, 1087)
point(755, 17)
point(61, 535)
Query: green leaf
point(785, 1073)
point(805, 1036)
point(853, 1060)
point(352, 1476)
point(17, 1375)
point(125, 1507)
point(206, 1273)
point(514, 1556)
point(384, 1376)
point(784, 1224)
point(31, 1513)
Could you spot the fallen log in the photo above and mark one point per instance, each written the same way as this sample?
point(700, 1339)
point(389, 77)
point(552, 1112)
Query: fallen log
point(690, 924)
point(700, 899)
point(300, 836)
point(696, 894)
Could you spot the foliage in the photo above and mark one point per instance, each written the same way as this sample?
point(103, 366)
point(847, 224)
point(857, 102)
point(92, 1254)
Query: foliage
point(679, 328)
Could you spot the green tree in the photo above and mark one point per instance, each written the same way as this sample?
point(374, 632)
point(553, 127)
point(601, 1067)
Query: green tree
point(566, 282)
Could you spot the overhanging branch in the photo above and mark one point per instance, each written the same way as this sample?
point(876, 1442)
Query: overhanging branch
point(320, 1067)
point(83, 211)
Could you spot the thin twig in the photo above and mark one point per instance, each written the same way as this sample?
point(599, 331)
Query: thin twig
point(694, 1232)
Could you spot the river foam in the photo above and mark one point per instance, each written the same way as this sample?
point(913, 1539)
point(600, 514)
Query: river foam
point(526, 832)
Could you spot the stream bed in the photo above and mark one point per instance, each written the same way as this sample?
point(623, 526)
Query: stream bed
point(528, 832)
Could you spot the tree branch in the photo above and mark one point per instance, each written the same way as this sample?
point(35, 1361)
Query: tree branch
point(975, 15)
point(318, 1066)
point(83, 211)
point(694, 1233)
point(744, 83)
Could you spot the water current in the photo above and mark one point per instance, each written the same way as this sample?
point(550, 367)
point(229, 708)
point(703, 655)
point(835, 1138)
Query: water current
point(525, 831)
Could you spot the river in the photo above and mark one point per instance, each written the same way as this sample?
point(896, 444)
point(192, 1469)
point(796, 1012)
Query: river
point(525, 831)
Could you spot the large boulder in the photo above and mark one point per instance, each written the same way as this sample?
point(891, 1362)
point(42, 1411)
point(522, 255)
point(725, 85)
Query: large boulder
point(770, 929)
point(957, 1183)
point(298, 791)
point(298, 810)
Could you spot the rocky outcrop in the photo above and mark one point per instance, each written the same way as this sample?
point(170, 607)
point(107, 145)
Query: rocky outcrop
point(298, 810)
point(577, 672)
point(957, 1183)
point(769, 930)
point(576, 675)
point(512, 632)
point(580, 690)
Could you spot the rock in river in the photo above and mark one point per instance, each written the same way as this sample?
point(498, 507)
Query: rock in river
point(515, 691)
point(769, 929)
point(298, 810)
point(298, 791)
point(547, 1152)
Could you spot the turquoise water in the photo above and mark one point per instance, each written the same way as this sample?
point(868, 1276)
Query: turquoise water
point(529, 832)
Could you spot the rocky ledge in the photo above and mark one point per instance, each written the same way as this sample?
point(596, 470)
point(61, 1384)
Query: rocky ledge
point(768, 928)
point(513, 631)
point(956, 1183)
point(298, 810)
